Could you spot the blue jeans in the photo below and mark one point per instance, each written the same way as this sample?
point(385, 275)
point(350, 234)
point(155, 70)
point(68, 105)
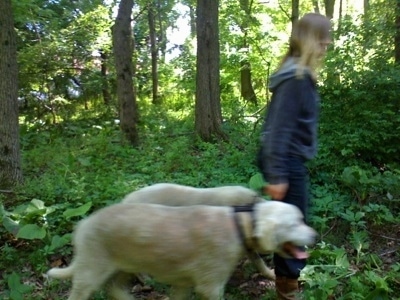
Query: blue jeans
point(297, 195)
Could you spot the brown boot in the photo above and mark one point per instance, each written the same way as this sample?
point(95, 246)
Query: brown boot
point(286, 288)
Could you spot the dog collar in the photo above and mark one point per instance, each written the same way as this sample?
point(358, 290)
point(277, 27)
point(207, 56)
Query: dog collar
point(245, 224)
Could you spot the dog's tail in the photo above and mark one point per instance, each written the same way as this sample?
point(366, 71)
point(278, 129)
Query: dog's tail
point(61, 273)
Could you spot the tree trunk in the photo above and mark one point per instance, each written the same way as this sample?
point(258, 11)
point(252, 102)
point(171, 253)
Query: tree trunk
point(123, 50)
point(104, 72)
point(339, 26)
point(208, 117)
point(192, 21)
point(10, 161)
point(295, 11)
point(246, 86)
point(154, 53)
point(316, 6)
point(162, 42)
point(366, 6)
point(329, 8)
point(397, 34)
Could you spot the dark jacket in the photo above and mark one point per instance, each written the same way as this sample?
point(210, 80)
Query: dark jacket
point(290, 125)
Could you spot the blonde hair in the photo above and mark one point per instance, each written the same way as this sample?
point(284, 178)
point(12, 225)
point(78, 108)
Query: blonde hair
point(305, 42)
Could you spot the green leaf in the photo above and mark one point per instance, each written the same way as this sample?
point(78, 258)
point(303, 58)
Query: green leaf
point(17, 289)
point(10, 225)
point(37, 208)
point(84, 161)
point(377, 294)
point(31, 232)
point(342, 261)
point(14, 281)
point(257, 182)
point(36, 204)
point(79, 211)
point(59, 241)
point(3, 212)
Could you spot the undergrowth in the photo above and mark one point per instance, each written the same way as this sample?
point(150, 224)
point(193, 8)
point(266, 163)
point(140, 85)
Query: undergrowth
point(81, 165)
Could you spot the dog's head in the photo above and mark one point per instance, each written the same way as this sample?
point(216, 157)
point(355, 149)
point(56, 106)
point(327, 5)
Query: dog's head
point(280, 228)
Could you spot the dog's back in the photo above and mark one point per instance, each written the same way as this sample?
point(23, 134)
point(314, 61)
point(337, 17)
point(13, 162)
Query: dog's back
point(181, 195)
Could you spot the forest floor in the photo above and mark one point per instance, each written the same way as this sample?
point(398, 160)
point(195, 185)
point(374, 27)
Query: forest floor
point(244, 284)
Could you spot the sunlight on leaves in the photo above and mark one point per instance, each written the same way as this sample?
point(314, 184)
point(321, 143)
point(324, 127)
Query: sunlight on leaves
point(77, 212)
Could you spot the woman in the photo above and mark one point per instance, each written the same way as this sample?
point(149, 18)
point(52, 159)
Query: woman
point(289, 133)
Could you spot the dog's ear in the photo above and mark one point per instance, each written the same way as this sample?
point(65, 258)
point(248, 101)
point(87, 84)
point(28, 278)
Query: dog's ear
point(267, 225)
point(265, 233)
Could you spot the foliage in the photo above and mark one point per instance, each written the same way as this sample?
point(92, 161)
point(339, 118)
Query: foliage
point(58, 55)
point(17, 289)
point(331, 273)
point(74, 160)
point(79, 166)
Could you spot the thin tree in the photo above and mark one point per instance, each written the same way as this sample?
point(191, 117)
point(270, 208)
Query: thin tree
point(161, 34)
point(154, 52)
point(192, 20)
point(366, 6)
point(104, 73)
point(246, 86)
point(316, 6)
point(340, 18)
point(329, 8)
point(295, 11)
point(10, 162)
point(397, 34)
point(208, 117)
point(123, 51)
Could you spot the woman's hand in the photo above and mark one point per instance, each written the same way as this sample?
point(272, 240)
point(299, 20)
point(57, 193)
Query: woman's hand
point(276, 191)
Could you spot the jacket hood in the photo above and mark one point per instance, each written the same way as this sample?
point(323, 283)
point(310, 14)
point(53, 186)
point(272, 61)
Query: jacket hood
point(286, 71)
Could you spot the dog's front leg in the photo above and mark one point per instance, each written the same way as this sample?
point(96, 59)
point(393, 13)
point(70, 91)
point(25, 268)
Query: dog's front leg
point(210, 291)
point(261, 266)
point(118, 286)
point(180, 293)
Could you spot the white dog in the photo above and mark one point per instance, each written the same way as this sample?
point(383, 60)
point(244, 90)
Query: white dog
point(172, 194)
point(191, 246)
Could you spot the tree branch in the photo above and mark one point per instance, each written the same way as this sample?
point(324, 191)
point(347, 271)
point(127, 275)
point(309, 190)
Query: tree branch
point(6, 191)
